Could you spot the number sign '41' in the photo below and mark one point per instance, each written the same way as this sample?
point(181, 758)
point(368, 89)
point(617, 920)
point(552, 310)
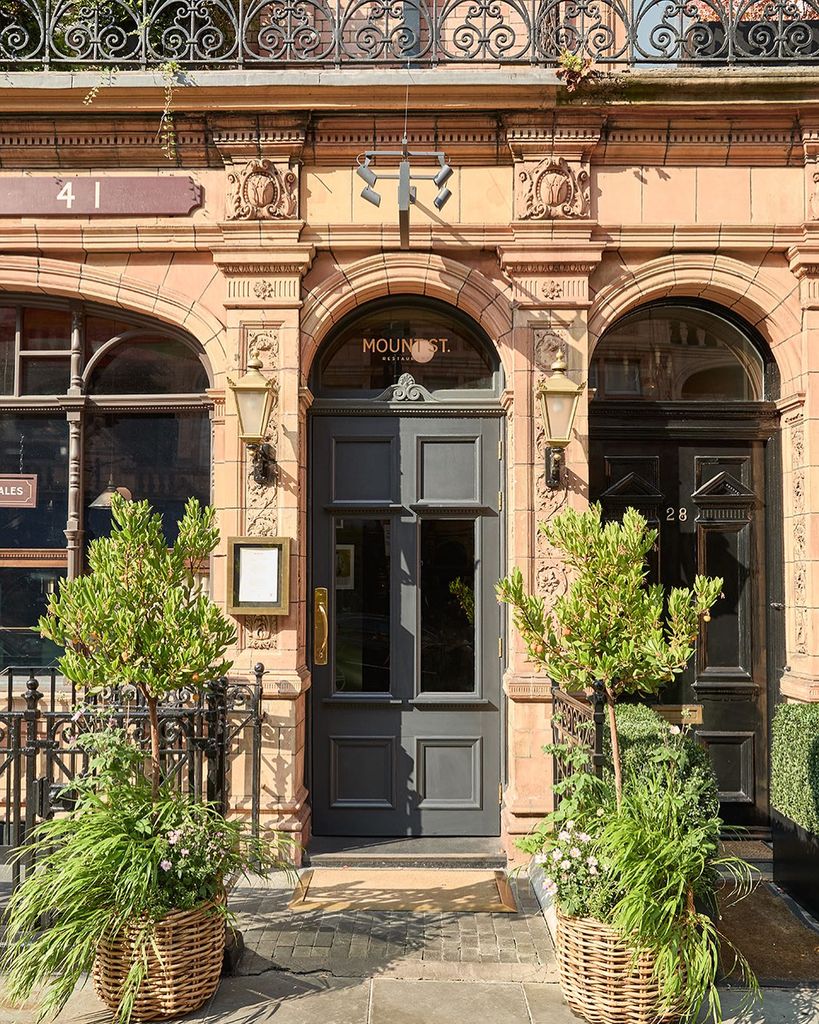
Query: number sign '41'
point(168, 196)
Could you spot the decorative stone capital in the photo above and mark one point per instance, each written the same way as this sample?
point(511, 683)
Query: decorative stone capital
point(799, 687)
point(536, 689)
point(262, 190)
point(255, 282)
point(546, 282)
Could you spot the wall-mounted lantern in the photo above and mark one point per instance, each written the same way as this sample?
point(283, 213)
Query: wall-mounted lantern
point(254, 395)
point(559, 399)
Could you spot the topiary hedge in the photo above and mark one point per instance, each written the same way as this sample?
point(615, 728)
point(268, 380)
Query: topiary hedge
point(641, 732)
point(795, 764)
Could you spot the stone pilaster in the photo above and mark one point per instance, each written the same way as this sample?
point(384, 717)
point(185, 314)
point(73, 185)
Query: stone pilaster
point(262, 307)
point(550, 287)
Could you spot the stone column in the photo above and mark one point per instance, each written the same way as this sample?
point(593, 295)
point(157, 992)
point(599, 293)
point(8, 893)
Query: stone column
point(263, 262)
point(548, 265)
point(800, 480)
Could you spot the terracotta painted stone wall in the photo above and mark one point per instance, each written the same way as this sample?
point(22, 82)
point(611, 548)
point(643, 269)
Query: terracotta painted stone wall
point(558, 226)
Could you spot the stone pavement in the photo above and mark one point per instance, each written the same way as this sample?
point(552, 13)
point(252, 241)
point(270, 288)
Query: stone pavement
point(373, 968)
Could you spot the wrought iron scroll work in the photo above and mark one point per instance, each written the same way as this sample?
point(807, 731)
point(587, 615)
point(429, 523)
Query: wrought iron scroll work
point(578, 722)
point(279, 33)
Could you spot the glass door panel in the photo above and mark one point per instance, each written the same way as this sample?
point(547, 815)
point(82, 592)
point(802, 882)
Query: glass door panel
point(362, 605)
point(447, 599)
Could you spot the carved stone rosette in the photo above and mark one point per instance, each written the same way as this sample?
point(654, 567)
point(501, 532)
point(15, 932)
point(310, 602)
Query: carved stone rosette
point(800, 569)
point(552, 189)
point(260, 190)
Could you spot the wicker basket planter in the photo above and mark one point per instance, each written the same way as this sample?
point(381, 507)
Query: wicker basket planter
point(184, 964)
point(600, 982)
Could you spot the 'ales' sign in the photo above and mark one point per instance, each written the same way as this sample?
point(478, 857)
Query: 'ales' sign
point(18, 490)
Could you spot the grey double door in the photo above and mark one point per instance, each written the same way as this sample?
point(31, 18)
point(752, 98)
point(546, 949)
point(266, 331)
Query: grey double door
point(405, 707)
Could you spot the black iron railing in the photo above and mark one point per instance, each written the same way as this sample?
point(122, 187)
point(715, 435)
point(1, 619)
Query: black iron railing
point(205, 742)
point(133, 34)
point(578, 722)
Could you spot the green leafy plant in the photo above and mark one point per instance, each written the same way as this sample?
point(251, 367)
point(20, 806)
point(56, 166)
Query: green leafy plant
point(138, 618)
point(464, 594)
point(611, 626)
point(573, 69)
point(795, 764)
point(123, 855)
point(651, 868)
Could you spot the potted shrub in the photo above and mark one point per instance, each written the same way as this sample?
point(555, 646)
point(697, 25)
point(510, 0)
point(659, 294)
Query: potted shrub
point(633, 865)
point(132, 878)
point(795, 800)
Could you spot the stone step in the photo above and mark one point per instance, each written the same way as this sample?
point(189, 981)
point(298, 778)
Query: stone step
point(437, 852)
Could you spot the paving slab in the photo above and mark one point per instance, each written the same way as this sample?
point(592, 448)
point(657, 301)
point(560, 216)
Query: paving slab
point(446, 1002)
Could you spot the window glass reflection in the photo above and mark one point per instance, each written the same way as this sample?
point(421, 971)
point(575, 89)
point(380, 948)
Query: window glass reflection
point(437, 349)
point(23, 598)
point(362, 605)
point(447, 596)
point(143, 366)
point(161, 457)
point(38, 445)
point(676, 353)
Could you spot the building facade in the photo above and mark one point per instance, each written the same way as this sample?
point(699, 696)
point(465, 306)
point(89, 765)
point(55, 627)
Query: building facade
point(657, 228)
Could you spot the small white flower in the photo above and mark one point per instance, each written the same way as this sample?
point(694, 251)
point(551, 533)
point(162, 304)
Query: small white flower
point(674, 730)
point(540, 858)
point(584, 837)
point(565, 865)
point(574, 852)
point(564, 836)
point(592, 871)
point(600, 812)
point(556, 854)
point(570, 825)
point(592, 862)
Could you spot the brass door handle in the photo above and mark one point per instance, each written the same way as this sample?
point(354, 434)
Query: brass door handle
point(321, 626)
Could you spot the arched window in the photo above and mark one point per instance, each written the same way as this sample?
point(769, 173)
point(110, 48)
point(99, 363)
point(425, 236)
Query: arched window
point(134, 418)
point(677, 353)
point(441, 348)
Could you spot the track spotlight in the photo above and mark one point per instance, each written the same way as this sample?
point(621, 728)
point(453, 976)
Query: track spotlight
point(371, 196)
point(365, 171)
point(442, 176)
point(443, 197)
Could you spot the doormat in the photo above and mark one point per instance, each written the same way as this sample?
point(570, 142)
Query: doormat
point(419, 891)
point(778, 942)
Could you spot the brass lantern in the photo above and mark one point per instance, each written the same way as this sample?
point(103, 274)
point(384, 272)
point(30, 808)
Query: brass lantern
point(558, 398)
point(254, 395)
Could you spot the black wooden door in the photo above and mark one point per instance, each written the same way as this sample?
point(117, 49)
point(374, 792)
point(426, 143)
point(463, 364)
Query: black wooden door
point(405, 724)
point(707, 500)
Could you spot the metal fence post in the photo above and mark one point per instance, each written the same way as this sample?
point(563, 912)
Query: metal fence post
point(256, 754)
point(598, 702)
point(215, 748)
point(31, 717)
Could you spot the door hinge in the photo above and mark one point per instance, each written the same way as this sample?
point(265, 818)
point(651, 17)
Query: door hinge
point(500, 646)
point(500, 451)
point(500, 501)
point(500, 794)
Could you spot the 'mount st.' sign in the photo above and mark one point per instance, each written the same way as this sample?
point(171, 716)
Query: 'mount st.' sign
point(419, 350)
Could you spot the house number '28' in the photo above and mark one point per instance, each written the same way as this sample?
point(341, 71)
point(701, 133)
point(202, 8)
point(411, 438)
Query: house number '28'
point(679, 515)
point(66, 195)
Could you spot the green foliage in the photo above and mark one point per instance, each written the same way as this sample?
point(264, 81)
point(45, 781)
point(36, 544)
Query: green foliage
point(611, 625)
point(464, 594)
point(643, 737)
point(650, 868)
point(118, 857)
point(795, 764)
point(138, 617)
point(666, 861)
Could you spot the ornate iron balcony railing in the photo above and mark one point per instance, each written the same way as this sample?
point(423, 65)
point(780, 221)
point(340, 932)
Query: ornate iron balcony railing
point(134, 34)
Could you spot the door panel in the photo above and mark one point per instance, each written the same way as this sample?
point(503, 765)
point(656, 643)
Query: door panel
point(405, 723)
point(708, 503)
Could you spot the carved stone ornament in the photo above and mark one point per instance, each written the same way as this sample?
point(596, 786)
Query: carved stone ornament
point(262, 191)
point(552, 189)
point(261, 634)
point(549, 344)
point(813, 200)
point(264, 345)
point(406, 390)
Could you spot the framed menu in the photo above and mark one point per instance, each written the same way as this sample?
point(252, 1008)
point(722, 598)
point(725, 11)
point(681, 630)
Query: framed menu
point(258, 575)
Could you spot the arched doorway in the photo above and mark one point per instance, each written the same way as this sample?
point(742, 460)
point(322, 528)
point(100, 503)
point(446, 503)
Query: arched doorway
point(682, 426)
point(406, 502)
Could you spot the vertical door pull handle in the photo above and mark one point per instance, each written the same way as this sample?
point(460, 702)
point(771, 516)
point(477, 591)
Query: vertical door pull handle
point(321, 626)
